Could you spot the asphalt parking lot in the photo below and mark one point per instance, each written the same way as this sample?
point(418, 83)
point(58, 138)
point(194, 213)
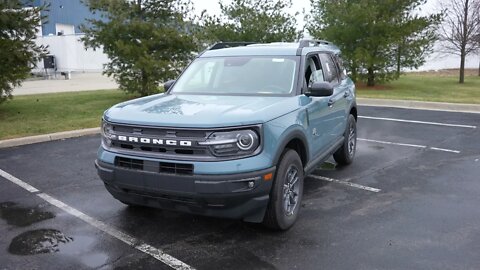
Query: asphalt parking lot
point(409, 201)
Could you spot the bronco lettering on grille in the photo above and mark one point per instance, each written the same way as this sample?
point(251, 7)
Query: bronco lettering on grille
point(154, 141)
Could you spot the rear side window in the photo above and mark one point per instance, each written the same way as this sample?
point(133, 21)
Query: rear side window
point(341, 66)
point(330, 70)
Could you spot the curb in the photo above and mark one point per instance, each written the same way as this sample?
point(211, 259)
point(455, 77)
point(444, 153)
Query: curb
point(48, 137)
point(420, 105)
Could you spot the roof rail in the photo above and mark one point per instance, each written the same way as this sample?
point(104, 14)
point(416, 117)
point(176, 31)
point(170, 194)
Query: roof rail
point(223, 45)
point(306, 43)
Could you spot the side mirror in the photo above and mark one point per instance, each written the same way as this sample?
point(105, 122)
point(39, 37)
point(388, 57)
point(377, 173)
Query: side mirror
point(320, 89)
point(168, 84)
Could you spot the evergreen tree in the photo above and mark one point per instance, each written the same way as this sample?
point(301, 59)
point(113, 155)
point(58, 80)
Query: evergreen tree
point(250, 21)
point(377, 37)
point(147, 41)
point(18, 51)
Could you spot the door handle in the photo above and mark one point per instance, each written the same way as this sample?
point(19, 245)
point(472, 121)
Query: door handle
point(331, 102)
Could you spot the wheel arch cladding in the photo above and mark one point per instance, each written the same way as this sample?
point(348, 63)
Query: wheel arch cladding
point(297, 142)
point(353, 111)
point(297, 145)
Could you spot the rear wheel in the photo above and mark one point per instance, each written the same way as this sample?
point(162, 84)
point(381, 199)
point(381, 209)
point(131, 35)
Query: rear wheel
point(346, 153)
point(287, 192)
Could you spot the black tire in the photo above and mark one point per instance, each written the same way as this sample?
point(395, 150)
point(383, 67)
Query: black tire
point(346, 153)
point(282, 214)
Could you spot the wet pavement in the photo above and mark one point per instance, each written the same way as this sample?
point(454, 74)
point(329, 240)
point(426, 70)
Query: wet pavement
point(424, 216)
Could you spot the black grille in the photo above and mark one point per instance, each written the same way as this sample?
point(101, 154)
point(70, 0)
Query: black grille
point(129, 163)
point(161, 167)
point(172, 198)
point(198, 151)
point(192, 151)
point(176, 168)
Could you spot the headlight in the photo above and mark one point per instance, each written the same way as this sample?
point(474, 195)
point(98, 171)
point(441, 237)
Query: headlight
point(107, 133)
point(231, 143)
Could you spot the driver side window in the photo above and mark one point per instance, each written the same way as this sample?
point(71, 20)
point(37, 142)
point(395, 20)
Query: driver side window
point(313, 71)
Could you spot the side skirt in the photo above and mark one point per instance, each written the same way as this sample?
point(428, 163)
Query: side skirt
point(312, 165)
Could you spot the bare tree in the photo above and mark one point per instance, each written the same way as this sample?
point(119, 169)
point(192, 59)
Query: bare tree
point(478, 40)
point(459, 31)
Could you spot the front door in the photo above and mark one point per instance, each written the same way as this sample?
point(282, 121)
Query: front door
point(320, 114)
point(338, 102)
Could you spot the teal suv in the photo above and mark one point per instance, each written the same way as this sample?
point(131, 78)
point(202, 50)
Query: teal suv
point(235, 135)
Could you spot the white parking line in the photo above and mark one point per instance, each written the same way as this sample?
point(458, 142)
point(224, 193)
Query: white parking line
point(18, 182)
point(411, 145)
point(445, 150)
point(122, 236)
point(393, 143)
point(343, 182)
point(416, 122)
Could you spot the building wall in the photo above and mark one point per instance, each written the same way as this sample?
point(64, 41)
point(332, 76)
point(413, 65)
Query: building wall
point(69, 12)
point(70, 54)
point(69, 51)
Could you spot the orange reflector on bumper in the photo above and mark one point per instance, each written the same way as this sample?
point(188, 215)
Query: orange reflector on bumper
point(268, 177)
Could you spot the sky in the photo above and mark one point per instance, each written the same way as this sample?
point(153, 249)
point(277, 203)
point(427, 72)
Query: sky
point(213, 7)
point(434, 61)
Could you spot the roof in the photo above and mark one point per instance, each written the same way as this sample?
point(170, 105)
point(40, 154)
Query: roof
point(277, 48)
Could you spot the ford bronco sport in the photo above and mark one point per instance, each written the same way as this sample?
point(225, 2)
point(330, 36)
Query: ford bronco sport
point(235, 135)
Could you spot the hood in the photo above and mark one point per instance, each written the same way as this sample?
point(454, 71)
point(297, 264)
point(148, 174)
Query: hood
point(201, 111)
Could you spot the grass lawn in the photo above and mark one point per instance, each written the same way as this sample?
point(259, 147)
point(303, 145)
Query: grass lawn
point(427, 87)
point(47, 113)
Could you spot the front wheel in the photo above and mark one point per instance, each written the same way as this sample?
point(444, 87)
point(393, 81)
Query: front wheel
point(346, 153)
point(286, 194)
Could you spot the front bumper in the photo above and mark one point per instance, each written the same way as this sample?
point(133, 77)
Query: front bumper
point(237, 196)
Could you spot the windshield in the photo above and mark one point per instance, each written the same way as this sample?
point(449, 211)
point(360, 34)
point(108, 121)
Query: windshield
point(239, 75)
